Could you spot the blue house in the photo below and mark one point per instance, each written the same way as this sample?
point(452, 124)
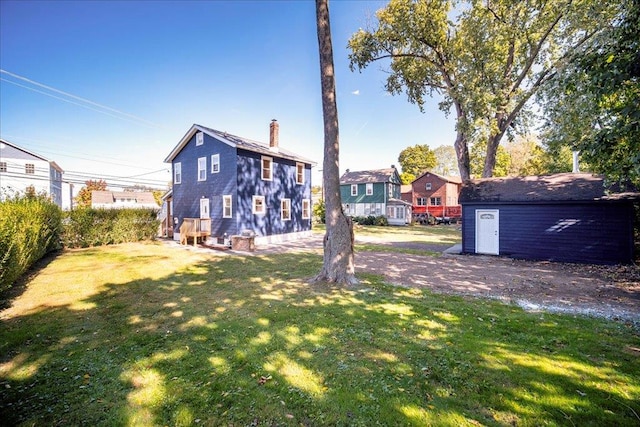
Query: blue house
point(568, 217)
point(241, 185)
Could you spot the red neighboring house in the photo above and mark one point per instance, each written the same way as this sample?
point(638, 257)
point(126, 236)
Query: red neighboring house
point(437, 195)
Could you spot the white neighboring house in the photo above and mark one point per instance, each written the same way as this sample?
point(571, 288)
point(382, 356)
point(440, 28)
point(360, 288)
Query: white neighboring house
point(20, 169)
point(123, 199)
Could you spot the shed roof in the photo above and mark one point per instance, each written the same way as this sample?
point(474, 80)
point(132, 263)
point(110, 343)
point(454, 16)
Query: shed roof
point(369, 176)
point(236, 141)
point(557, 187)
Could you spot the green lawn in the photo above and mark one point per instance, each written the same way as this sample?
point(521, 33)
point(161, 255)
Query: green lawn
point(145, 334)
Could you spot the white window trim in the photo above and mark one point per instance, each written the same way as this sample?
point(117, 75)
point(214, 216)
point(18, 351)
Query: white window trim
point(202, 167)
point(306, 209)
point(227, 201)
point(299, 175)
point(368, 189)
point(253, 205)
point(427, 186)
point(262, 169)
point(177, 173)
point(285, 206)
point(354, 189)
point(215, 161)
point(199, 138)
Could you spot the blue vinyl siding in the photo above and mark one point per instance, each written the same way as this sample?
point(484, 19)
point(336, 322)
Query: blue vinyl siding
point(239, 177)
point(187, 194)
point(589, 232)
point(282, 186)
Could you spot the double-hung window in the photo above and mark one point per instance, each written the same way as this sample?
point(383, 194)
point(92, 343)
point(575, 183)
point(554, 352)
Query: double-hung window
point(306, 209)
point(267, 168)
point(215, 163)
point(3, 166)
point(299, 173)
point(369, 189)
point(354, 189)
point(177, 173)
point(226, 207)
point(202, 168)
point(199, 138)
point(258, 205)
point(30, 168)
point(427, 186)
point(285, 209)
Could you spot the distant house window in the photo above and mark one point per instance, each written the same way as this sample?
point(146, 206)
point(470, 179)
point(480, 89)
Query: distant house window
point(215, 163)
point(427, 186)
point(202, 169)
point(285, 209)
point(177, 173)
point(306, 209)
point(299, 173)
point(390, 190)
point(258, 205)
point(226, 207)
point(435, 201)
point(3, 166)
point(29, 168)
point(354, 189)
point(369, 189)
point(267, 168)
point(199, 138)
point(421, 201)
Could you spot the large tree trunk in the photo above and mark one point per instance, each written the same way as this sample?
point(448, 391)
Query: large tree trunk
point(461, 144)
point(338, 265)
point(462, 153)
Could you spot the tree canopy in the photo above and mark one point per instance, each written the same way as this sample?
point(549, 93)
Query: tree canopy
point(415, 161)
point(83, 199)
point(486, 59)
point(593, 104)
point(446, 164)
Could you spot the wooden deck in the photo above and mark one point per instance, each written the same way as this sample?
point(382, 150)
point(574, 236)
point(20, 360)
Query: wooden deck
point(194, 227)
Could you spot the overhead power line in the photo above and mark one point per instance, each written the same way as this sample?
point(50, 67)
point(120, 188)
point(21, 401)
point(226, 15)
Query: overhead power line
point(83, 102)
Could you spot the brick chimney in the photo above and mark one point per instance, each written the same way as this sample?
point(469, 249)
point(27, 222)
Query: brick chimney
point(274, 130)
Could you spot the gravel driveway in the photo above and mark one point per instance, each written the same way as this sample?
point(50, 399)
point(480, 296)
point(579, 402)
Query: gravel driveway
point(612, 292)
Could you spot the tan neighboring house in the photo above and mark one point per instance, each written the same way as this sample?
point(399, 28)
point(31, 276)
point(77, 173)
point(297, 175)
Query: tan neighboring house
point(123, 199)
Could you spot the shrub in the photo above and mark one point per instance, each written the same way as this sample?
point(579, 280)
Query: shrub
point(87, 227)
point(319, 212)
point(371, 220)
point(30, 227)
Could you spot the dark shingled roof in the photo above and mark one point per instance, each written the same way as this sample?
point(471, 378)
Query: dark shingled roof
point(239, 142)
point(360, 177)
point(558, 187)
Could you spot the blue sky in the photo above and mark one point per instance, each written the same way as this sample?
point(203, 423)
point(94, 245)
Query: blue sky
point(109, 88)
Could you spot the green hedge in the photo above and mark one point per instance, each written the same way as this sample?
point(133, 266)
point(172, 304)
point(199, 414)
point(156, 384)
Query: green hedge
point(30, 227)
point(371, 220)
point(96, 227)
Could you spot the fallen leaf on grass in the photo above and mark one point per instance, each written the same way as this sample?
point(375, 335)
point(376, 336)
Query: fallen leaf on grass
point(264, 379)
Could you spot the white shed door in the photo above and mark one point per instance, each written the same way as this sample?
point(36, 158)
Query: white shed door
point(487, 232)
point(204, 208)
